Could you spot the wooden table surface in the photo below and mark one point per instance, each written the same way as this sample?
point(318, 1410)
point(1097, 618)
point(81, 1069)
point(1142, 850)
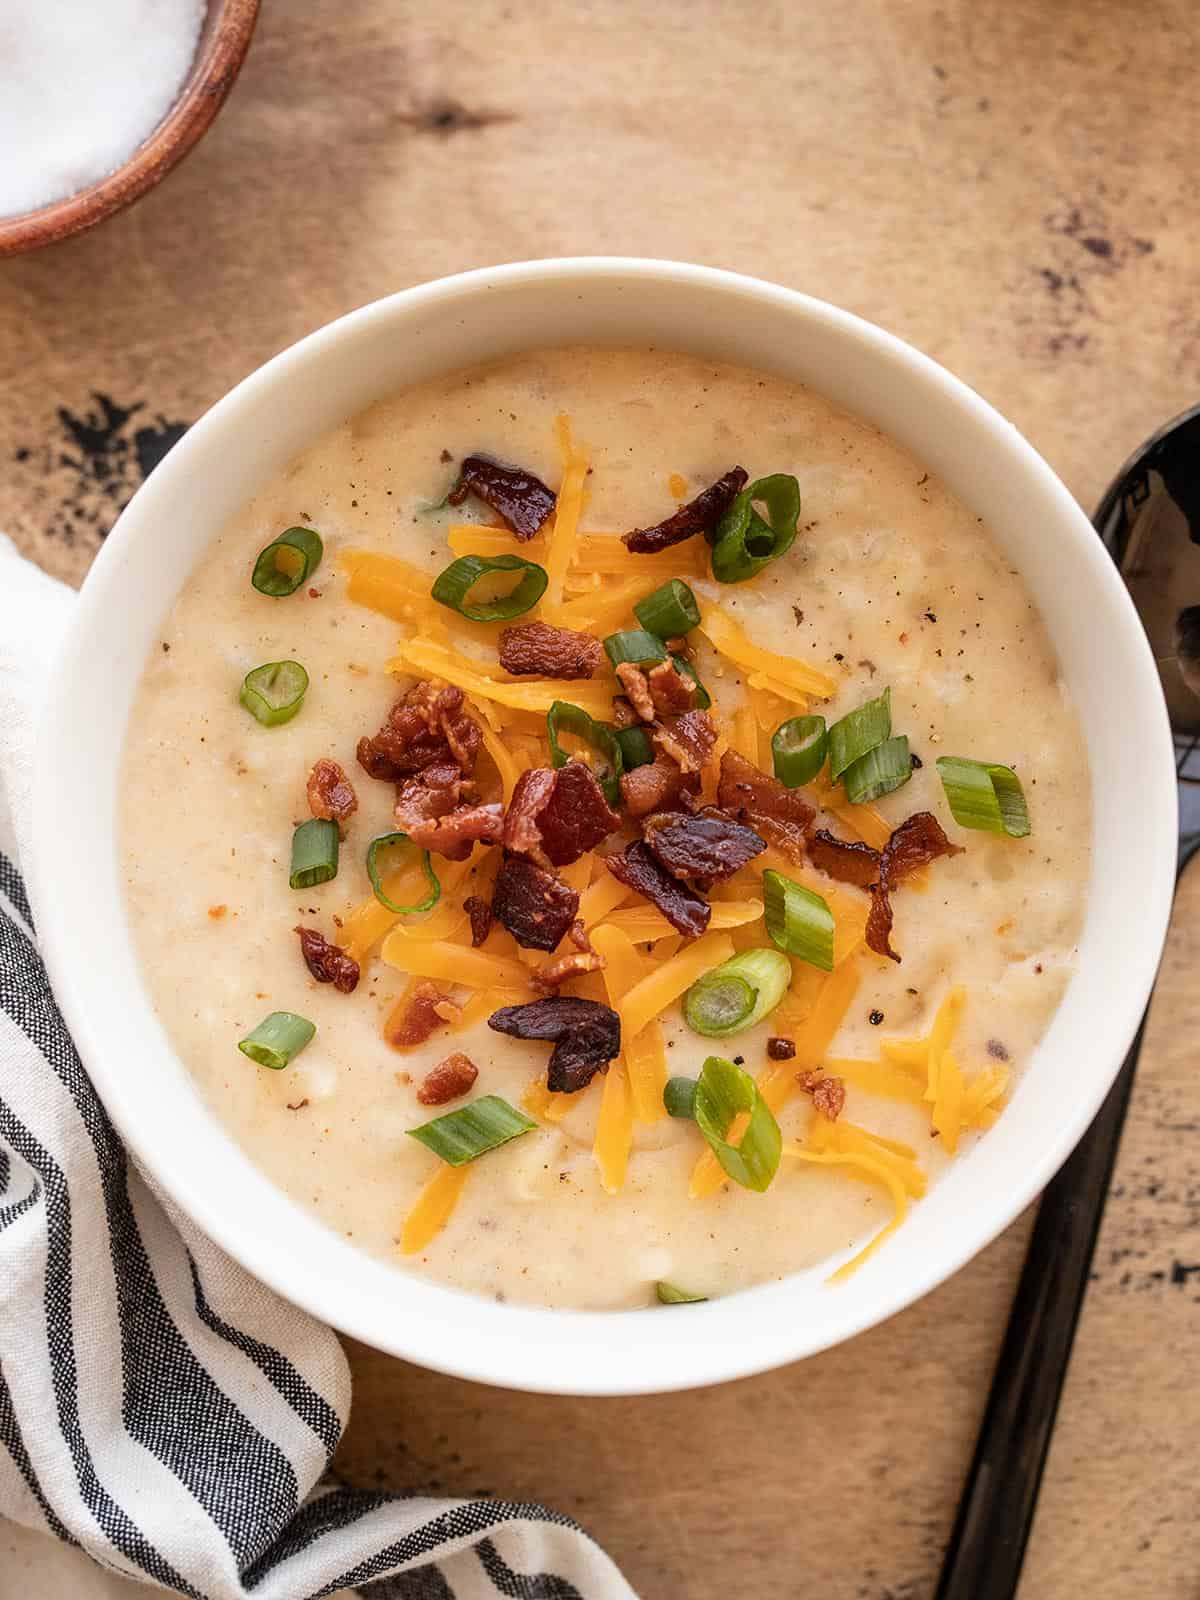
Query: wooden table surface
point(1008, 184)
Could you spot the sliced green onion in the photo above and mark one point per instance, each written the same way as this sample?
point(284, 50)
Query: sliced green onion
point(887, 767)
point(301, 551)
point(743, 543)
point(670, 612)
point(700, 694)
point(679, 1097)
point(669, 1295)
point(636, 749)
point(799, 921)
point(722, 1092)
point(859, 731)
point(314, 853)
point(598, 736)
point(274, 692)
point(985, 795)
point(798, 749)
point(636, 646)
point(277, 1039)
point(386, 841)
point(460, 1136)
point(452, 587)
point(738, 993)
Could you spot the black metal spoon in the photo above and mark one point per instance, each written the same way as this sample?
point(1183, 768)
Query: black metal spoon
point(1150, 523)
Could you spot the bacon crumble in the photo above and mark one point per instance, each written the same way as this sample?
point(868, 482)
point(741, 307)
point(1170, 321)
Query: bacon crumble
point(449, 1079)
point(846, 860)
point(426, 727)
point(535, 649)
point(438, 810)
point(671, 691)
point(780, 814)
point(522, 499)
point(914, 844)
point(654, 785)
point(637, 690)
point(327, 962)
point(640, 870)
point(780, 1049)
point(697, 516)
point(688, 739)
point(828, 1094)
point(415, 1016)
point(480, 913)
point(535, 905)
point(586, 1035)
point(331, 795)
point(706, 844)
point(556, 814)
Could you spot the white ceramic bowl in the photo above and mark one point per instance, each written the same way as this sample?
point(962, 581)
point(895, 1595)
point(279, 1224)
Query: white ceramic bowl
point(246, 439)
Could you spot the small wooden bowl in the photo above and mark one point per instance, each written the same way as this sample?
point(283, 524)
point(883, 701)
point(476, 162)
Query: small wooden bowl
point(224, 40)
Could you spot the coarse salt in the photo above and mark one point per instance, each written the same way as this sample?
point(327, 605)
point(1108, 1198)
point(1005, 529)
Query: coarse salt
point(85, 82)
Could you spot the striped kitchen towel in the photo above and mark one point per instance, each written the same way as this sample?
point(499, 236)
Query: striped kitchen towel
point(159, 1408)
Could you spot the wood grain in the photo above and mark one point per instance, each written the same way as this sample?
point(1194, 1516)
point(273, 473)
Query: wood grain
point(1009, 184)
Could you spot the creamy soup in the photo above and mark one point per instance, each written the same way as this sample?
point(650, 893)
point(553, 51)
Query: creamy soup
point(891, 583)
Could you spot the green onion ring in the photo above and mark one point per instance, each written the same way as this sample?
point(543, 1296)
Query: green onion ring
point(471, 1131)
point(985, 795)
point(274, 692)
point(723, 1091)
point(636, 647)
point(452, 587)
point(798, 921)
point(858, 732)
point(679, 1097)
point(798, 750)
point(743, 543)
point(376, 877)
point(670, 1295)
point(599, 737)
point(636, 749)
point(271, 579)
point(314, 853)
point(737, 994)
point(277, 1039)
point(888, 766)
point(670, 612)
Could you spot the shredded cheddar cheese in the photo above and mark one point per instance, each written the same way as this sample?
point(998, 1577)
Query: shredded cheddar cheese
point(433, 1208)
point(543, 1103)
point(651, 997)
point(365, 925)
point(453, 963)
point(645, 923)
point(644, 1053)
point(727, 637)
point(614, 1128)
point(478, 539)
point(427, 659)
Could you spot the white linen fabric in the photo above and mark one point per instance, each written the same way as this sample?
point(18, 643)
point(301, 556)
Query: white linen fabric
point(159, 1408)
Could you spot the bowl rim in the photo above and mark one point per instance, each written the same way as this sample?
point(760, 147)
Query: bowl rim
point(209, 79)
point(372, 1317)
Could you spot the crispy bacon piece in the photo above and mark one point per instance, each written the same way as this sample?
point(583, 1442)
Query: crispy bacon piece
point(849, 861)
point(327, 962)
point(480, 914)
point(624, 716)
point(586, 1034)
point(707, 844)
point(426, 727)
point(652, 786)
point(415, 1016)
point(697, 516)
point(637, 690)
point(556, 814)
point(330, 793)
point(450, 1078)
point(828, 1094)
point(683, 908)
point(671, 691)
point(689, 739)
point(536, 906)
point(522, 499)
point(571, 965)
point(780, 1049)
point(535, 649)
point(914, 844)
point(437, 809)
point(780, 814)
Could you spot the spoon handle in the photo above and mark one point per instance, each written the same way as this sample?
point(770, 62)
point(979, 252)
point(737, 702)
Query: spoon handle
point(986, 1548)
